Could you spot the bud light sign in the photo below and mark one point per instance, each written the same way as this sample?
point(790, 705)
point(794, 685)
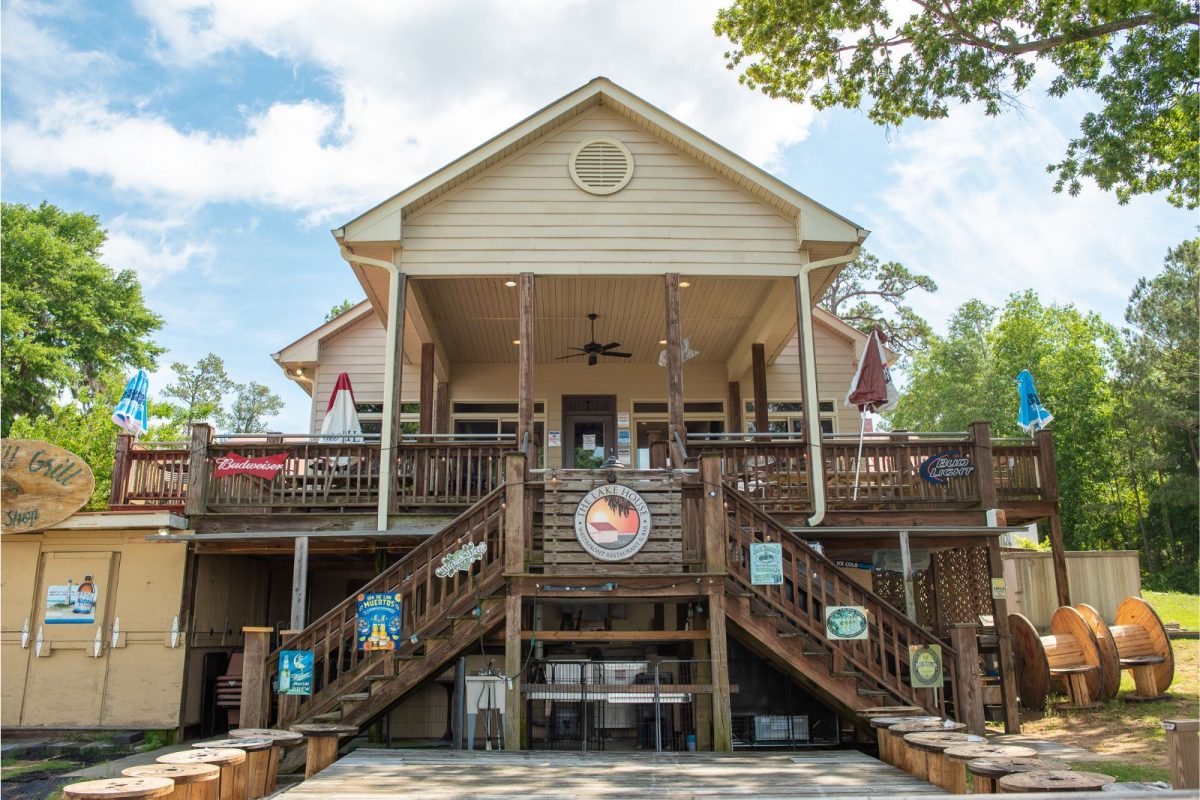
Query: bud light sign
point(941, 468)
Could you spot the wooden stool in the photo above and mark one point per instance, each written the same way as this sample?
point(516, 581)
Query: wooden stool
point(932, 746)
point(1070, 655)
point(958, 756)
point(120, 787)
point(1060, 780)
point(281, 739)
point(192, 781)
point(909, 759)
point(258, 760)
point(231, 761)
point(986, 771)
point(322, 745)
point(887, 742)
point(1138, 643)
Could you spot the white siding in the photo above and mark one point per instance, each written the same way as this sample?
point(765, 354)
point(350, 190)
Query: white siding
point(358, 350)
point(527, 211)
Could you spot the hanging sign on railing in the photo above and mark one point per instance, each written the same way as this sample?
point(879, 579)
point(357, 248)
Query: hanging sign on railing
point(941, 468)
point(925, 666)
point(379, 623)
point(461, 560)
point(845, 623)
point(295, 672)
point(766, 564)
point(612, 523)
point(265, 467)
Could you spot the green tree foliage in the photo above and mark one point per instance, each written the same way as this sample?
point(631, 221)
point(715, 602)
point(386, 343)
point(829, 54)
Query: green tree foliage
point(68, 319)
point(870, 292)
point(338, 310)
point(253, 404)
point(1159, 413)
point(199, 389)
point(1139, 58)
point(970, 374)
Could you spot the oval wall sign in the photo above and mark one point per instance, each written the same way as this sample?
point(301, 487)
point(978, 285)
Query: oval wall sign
point(612, 523)
point(42, 485)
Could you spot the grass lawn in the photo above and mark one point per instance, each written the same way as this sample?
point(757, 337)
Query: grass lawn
point(1131, 734)
point(11, 768)
point(1176, 607)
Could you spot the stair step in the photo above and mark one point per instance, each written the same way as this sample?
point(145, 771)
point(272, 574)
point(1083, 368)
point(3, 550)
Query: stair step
point(790, 635)
point(375, 678)
point(768, 614)
point(846, 673)
point(332, 716)
point(354, 696)
point(871, 693)
point(818, 653)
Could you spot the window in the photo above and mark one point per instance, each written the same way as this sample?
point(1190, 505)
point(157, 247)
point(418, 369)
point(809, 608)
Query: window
point(650, 417)
point(370, 417)
point(487, 418)
point(788, 416)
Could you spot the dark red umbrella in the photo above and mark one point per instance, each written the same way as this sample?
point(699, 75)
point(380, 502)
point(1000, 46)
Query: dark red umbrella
point(871, 389)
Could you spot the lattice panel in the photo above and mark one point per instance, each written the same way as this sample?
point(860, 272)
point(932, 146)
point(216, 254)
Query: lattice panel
point(956, 588)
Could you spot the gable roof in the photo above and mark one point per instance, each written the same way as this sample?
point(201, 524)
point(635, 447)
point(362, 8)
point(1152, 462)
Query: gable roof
point(296, 358)
point(815, 223)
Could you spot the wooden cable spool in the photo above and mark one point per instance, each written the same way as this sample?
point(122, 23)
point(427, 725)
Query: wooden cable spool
point(986, 771)
point(938, 769)
point(1053, 781)
point(125, 788)
point(908, 758)
point(192, 781)
point(887, 741)
point(1070, 654)
point(1137, 642)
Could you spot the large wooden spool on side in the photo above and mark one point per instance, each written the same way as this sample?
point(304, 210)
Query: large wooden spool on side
point(1135, 613)
point(1109, 659)
point(1033, 670)
point(1070, 652)
point(1070, 630)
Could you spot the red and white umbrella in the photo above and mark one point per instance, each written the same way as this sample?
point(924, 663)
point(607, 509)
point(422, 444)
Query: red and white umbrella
point(341, 417)
point(871, 389)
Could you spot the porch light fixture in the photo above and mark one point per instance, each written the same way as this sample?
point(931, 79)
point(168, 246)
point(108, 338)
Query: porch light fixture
point(516, 341)
point(510, 284)
point(662, 341)
point(684, 284)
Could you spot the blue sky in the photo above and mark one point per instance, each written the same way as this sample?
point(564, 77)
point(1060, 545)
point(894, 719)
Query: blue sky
point(219, 142)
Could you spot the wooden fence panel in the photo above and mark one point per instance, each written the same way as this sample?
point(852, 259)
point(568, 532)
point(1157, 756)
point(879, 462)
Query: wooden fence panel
point(1101, 578)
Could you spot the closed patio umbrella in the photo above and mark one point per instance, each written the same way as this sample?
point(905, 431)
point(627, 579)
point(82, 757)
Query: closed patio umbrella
point(130, 412)
point(871, 389)
point(341, 417)
point(1031, 414)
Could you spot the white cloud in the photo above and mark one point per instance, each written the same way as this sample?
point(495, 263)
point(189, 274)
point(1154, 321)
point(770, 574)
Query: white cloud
point(971, 204)
point(417, 84)
point(149, 248)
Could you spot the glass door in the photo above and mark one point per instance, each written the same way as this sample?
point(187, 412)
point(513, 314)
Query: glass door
point(589, 430)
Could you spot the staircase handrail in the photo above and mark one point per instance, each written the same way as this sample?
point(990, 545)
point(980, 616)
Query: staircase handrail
point(845, 592)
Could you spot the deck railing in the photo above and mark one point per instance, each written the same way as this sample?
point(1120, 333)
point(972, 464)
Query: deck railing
point(151, 475)
point(448, 473)
point(1015, 464)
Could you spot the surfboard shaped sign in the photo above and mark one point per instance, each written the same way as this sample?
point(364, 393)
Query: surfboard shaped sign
point(42, 485)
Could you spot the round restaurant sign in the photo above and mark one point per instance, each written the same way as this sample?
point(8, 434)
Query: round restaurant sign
point(42, 485)
point(612, 523)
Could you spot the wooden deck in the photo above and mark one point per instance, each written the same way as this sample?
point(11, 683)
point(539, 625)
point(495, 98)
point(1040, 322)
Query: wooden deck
point(528, 775)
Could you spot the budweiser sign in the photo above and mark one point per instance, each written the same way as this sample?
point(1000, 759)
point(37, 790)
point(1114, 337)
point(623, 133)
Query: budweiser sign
point(940, 468)
point(265, 467)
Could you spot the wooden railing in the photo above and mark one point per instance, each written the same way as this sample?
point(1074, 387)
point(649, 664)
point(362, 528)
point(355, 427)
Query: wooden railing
point(149, 475)
point(314, 475)
point(888, 472)
point(813, 583)
point(448, 473)
point(428, 603)
point(773, 474)
point(1015, 466)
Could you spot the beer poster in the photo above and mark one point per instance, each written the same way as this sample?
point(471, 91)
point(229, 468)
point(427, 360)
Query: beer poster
point(925, 666)
point(846, 622)
point(766, 564)
point(378, 621)
point(71, 603)
point(295, 672)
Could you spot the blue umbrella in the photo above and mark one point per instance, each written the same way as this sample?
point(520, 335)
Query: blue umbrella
point(130, 413)
point(1032, 415)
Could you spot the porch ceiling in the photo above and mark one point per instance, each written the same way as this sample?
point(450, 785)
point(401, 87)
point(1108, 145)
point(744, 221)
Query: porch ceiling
point(475, 319)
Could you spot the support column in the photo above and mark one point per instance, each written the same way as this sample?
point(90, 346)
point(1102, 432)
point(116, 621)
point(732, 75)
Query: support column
point(1008, 675)
point(733, 413)
point(512, 671)
point(965, 639)
point(758, 368)
point(256, 689)
point(676, 431)
point(525, 430)
point(393, 380)
point(910, 603)
point(515, 534)
point(299, 583)
point(120, 472)
point(197, 492)
point(1048, 477)
point(427, 381)
point(721, 720)
point(441, 408)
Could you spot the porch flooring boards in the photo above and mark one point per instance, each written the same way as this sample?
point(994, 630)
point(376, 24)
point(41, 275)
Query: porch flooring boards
point(530, 775)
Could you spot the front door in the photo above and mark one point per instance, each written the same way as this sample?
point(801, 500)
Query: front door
point(589, 427)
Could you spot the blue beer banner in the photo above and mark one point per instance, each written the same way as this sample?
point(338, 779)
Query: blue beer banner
point(295, 672)
point(378, 621)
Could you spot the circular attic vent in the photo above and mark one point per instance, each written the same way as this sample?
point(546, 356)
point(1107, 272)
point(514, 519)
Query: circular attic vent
point(601, 165)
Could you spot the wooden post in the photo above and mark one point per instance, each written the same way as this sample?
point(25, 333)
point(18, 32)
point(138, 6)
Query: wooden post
point(1048, 478)
point(427, 381)
point(714, 514)
point(1183, 752)
point(512, 672)
point(964, 638)
point(676, 430)
point(910, 603)
point(981, 435)
point(120, 472)
point(733, 414)
point(441, 408)
point(658, 450)
point(299, 583)
point(1008, 674)
point(525, 368)
point(721, 720)
point(256, 689)
point(514, 514)
point(758, 369)
point(197, 491)
point(389, 500)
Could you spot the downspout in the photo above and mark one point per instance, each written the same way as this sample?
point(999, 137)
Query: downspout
point(386, 445)
point(812, 421)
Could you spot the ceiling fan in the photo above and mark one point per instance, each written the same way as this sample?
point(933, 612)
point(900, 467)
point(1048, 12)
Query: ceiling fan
point(593, 349)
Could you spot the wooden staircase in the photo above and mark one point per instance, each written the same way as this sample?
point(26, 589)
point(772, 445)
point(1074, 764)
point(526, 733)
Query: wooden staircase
point(442, 617)
point(786, 624)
